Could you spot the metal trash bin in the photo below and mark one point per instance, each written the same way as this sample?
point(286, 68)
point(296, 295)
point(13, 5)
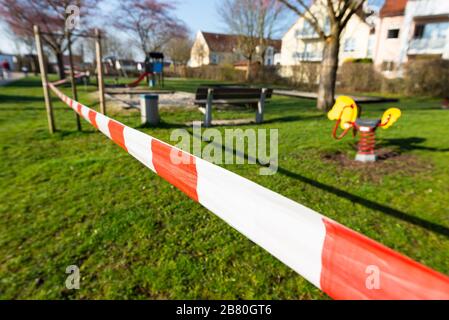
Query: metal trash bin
point(149, 109)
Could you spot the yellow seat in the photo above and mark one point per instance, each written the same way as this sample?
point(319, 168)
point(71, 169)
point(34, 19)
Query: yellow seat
point(390, 117)
point(344, 110)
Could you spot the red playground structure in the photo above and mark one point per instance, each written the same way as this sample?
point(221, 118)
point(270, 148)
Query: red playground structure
point(154, 71)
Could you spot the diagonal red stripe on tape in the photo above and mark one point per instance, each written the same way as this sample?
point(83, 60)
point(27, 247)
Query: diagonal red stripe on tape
point(93, 118)
point(116, 132)
point(352, 264)
point(78, 108)
point(182, 175)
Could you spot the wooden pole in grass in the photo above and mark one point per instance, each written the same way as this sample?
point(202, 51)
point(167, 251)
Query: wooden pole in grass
point(48, 105)
point(72, 79)
point(100, 71)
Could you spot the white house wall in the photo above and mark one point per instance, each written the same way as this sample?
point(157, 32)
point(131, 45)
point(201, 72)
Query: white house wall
point(360, 31)
point(356, 29)
point(198, 58)
point(387, 50)
point(422, 8)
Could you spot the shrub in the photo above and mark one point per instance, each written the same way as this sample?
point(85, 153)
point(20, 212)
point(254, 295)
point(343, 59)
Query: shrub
point(218, 73)
point(428, 77)
point(359, 77)
point(392, 86)
point(305, 76)
point(268, 74)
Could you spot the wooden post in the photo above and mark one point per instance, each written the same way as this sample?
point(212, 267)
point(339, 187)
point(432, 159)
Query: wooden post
point(100, 72)
point(72, 79)
point(48, 105)
point(208, 115)
point(261, 106)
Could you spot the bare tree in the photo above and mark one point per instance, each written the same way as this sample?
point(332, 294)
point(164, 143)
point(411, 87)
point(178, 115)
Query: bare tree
point(339, 12)
point(254, 22)
point(49, 15)
point(120, 48)
point(271, 22)
point(178, 49)
point(152, 23)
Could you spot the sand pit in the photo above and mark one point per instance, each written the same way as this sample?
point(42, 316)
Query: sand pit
point(170, 100)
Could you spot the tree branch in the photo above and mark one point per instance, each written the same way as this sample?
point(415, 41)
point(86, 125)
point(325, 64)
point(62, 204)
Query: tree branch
point(312, 19)
point(354, 6)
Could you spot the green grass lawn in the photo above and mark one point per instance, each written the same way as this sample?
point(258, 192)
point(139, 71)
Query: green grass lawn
point(78, 199)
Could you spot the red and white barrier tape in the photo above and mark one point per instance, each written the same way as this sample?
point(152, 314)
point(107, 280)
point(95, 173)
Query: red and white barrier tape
point(334, 258)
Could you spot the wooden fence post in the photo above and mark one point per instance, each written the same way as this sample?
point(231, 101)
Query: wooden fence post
point(48, 105)
point(100, 71)
point(72, 79)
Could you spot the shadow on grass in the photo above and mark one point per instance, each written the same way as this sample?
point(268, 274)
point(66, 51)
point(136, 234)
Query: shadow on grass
point(292, 119)
point(86, 129)
point(19, 109)
point(409, 144)
point(16, 98)
point(430, 226)
point(442, 230)
point(162, 125)
point(26, 83)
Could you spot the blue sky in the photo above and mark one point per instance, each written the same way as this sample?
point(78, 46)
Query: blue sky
point(202, 15)
point(198, 15)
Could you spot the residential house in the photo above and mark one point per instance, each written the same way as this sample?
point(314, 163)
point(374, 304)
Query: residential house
point(10, 58)
point(411, 29)
point(302, 44)
point(214, 49)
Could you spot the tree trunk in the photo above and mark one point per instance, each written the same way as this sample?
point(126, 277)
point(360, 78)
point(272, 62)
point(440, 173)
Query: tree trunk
point(328, 73)
point(60, 60)
point(248, 70)
point(34, 65)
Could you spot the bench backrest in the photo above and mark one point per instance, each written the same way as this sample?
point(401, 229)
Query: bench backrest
point(230, 93)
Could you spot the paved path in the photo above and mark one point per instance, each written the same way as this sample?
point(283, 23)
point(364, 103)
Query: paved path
point(314, 96)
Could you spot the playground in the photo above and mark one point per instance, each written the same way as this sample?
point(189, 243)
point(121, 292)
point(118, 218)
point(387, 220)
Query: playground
point(78, 198)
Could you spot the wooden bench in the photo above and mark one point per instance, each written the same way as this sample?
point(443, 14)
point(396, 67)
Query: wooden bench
point(207, 96)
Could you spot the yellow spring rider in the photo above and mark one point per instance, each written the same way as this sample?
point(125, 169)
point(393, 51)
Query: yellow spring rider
point(346, 113)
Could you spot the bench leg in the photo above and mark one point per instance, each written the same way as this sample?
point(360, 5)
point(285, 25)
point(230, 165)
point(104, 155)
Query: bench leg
point(260, 107)
point(208, 115)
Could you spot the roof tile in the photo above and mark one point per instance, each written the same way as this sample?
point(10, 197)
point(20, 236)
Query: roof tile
point(393, 8)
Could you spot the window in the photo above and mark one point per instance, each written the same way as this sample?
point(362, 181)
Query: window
point(371, 43)
point(350, 45)
point(393, 34)
point(419, 31)
point(388, 66)
point(327, 25)
point(214, 59)
point(433, 30)
point(310, 53)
